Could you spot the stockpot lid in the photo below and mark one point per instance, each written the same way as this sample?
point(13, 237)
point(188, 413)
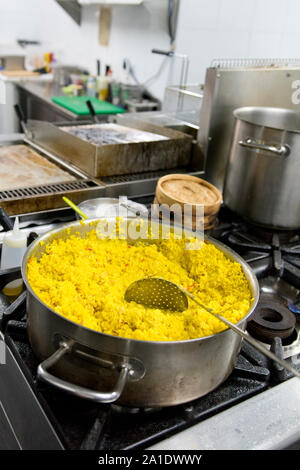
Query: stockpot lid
point(274, 118)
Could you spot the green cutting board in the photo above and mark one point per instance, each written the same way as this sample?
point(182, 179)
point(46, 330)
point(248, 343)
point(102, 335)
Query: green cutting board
point(77, 105)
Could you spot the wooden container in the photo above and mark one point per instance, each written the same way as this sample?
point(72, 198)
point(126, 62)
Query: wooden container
point(184, 189)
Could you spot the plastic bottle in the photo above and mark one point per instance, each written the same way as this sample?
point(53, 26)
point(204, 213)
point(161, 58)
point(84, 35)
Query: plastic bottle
point(126, 83)
point(103, 88)
point(91, 86)
point(13, 249)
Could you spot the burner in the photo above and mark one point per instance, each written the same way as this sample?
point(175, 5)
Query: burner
point(280, 288)
point(271, 319)
point(279, 255)
point(266, 234)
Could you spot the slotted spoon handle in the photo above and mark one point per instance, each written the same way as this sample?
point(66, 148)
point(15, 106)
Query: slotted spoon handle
point(246, 337)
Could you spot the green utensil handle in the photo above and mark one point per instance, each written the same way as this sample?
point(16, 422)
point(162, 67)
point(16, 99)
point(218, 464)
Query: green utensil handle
point(74, 207)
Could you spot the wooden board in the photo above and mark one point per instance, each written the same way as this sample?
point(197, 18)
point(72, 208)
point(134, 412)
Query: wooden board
point(77, 105)
point(105, 15)
point(22, 167)
point(19, 73)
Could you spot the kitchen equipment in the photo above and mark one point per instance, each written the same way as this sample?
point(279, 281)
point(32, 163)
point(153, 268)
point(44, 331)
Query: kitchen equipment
point(21, 166)
point(74, 207)
point(41, 197)
point(169, 121)
point(105, 207)
point(235, 83)
point(21, 116)
point(262, 180)
point(35, 179)
point(78, 105)
point(91, 110)
point(110, 206)
point(5, 220)
point(155, 292)
point(14, 244)
point(13, 247)
point(60, 421)
point(111, 133)
point(183, 102)
point(193, 200)
point(135, 373)
point(144, 105)
point(188, 189)
point(169, 149)
point(62, 73)
point(129, 92)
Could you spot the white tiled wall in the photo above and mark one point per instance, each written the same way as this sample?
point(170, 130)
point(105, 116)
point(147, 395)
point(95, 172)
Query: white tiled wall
point(207, 29)
point(135, 31)
point(211, 29)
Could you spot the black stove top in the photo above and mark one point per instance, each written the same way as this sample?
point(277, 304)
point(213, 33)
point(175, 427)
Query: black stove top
point(267, 251)
point(81, 424)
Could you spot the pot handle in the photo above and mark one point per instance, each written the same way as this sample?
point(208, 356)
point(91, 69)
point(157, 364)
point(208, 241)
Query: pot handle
point(82, 392)
point(281, 150)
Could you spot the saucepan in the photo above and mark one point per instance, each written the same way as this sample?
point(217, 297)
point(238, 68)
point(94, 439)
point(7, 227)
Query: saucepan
point(130, 372)
point(262, 179)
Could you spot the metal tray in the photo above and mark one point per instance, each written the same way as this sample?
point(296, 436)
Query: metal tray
point(114, 159)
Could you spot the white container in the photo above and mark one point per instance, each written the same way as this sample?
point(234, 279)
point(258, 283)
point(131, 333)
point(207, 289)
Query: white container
point(13, 249)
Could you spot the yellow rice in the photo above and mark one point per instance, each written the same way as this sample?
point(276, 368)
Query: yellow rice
point(84, 280)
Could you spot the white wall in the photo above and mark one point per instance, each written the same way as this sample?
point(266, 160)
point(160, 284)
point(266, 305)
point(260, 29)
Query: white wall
point(207, 29)
point(135, 31)
point(210, 29)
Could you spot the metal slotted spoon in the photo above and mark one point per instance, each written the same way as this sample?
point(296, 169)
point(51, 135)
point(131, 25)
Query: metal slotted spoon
point(155, 292)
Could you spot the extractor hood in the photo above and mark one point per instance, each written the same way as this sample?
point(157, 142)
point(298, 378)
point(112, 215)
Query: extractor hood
point(110, 2)
point(73, 7)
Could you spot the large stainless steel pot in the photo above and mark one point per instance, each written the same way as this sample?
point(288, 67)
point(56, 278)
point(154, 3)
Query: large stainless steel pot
point(263, 174)
point(134, 373)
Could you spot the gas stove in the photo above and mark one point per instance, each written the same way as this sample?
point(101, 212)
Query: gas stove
point(258, 406)
point(275, 258)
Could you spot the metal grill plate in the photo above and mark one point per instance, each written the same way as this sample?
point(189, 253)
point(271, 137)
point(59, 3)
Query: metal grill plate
point(44, 190)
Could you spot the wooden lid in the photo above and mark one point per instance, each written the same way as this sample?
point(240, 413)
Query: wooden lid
point(186, 189)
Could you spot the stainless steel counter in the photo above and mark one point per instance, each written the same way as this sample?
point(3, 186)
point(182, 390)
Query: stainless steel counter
point(36, 101)
point(267, 421)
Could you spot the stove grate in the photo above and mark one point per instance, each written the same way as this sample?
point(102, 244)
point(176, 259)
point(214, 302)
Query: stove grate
point(139, 176)
point(46, 189)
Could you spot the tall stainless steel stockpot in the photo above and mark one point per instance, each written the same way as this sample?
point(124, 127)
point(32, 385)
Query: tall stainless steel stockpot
point(263, 173)
point(134, 373)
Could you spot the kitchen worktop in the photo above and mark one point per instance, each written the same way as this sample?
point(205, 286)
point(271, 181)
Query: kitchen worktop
point(37, 96)
point(41, 86)
point(13, 86)
point(45, 91)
